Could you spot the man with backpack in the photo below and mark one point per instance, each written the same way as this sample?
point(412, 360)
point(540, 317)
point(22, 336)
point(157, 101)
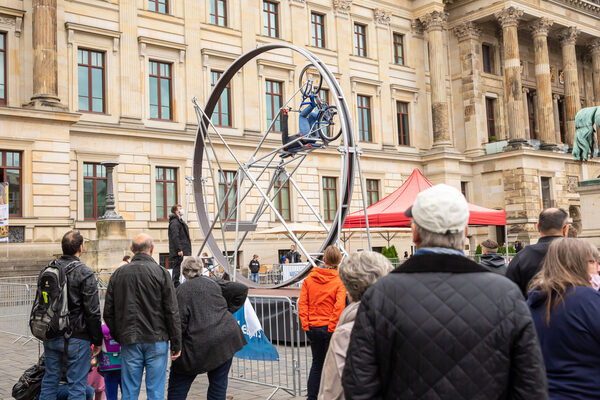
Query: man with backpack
point(66, 316)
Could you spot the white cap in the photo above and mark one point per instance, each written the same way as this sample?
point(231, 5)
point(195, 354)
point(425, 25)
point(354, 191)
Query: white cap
point(440, 209)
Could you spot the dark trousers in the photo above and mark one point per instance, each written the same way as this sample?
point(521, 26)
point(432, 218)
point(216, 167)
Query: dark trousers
point(319, 343)
point(179, 384)
point(175, 264)
point(112, 381)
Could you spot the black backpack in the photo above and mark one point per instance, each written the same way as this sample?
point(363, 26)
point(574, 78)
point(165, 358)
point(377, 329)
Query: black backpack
point(30, 383)
point(49, 317)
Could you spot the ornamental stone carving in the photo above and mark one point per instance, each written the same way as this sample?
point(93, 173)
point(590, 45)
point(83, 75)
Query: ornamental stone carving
point(541, 27)
point(467, 30)
point(568, 35)
point(435, 20)
point(382, 17)
point(509, 16)
point(342, 6)
point(594, 46)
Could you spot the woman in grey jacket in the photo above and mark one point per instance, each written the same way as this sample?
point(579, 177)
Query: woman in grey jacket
point(358, 272)
point(210, 333)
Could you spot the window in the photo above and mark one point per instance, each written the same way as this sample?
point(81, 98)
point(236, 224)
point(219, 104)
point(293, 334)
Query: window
point(317, 22)
point(324, 95)
point(491, 121)
point(282, 200)
point(90, 78)
point(464, 189)
point(160, 90)
point(329, 197)
point(398, 49)
point(360, 40)
point(372, 191)
point(226, 180)
point(274, 102)
point(10, 171)
point(3, 67)
point(163, 260)
point(403, 127)
point(561, 118)
point(546, 199)
point(270, 19)
point(487, 53)
point(218, 12)
point(161, 6)
point(531, 114)
point(222, 114)
point(364, 118)
point(166, 191)
point(94, 190)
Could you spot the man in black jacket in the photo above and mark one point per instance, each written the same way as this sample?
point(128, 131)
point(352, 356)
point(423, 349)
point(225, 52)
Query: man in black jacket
point(440, 326)
point(490, 259)
point(292, 256)
point(142, 314)
point(85, 323)
point(179, 241)
point(552, 224)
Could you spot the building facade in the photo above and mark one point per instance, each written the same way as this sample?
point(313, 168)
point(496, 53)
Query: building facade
point(477, 95)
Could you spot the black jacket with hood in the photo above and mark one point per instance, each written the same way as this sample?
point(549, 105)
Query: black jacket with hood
point(179, 237)
point(442, 327)
point(494, 262)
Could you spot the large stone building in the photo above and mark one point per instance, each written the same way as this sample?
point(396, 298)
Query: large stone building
point(481, 95)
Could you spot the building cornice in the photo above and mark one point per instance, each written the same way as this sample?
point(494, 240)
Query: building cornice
point(583, 6)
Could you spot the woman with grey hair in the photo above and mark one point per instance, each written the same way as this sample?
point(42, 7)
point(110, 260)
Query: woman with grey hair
point(358, 272)
point(209, 332)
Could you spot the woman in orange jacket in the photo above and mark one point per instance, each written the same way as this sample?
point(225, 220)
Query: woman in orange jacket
point(322, 300)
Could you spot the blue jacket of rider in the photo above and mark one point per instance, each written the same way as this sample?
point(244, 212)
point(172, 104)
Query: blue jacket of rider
point(308, 117)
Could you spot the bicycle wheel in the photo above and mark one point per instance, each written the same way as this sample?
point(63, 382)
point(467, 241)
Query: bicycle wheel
point(311, 78)
point(328, 123)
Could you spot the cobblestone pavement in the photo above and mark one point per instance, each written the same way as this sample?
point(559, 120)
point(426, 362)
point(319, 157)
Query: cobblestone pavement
point(16, 357)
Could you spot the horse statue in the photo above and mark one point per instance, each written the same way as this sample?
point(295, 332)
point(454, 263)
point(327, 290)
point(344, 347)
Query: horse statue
point(583, 146)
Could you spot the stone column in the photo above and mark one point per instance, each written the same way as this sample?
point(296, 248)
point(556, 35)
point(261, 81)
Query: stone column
point(567, 37)
point(509, 19)
point(45, 66)
point(595, 50)
point(555, 98)
point(434, 24)
point(110, 213)
point(528, 133)
point(543, 83)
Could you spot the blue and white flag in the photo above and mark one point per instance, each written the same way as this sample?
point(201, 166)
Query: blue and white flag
point(259, 347)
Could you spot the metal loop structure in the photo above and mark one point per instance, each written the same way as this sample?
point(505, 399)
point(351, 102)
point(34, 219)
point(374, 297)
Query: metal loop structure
point(253, 169)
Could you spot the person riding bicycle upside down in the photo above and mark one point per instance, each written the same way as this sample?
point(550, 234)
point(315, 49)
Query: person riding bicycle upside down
point(307, 120)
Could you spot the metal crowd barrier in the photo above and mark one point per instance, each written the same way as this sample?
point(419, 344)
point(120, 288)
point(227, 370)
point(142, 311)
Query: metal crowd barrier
point(278, 316)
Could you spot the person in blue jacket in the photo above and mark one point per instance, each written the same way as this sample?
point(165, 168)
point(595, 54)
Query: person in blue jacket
point(566, 313)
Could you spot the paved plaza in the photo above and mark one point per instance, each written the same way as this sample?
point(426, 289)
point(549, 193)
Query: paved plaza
point(16, 357)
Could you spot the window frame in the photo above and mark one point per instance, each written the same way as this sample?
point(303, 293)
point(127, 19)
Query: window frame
point(316, 28)
point(549, 199)
point(490, 58)
point(3, 178)
point(371, 191)
point(561, 119)
point(399, 115)
point(159, 78)
point(164, 181)
point(361, 123)
point(398, 55)
point(225, 210)
point(275, 11)
point(360, 31)
point(272, 102)
point(218, 108)
point(157, 3)
point(89, 68)
point(490, 117)
point(531, 114)
point(216, 14)
point(326, 206)
point(3, 50)
point(278, 198)
point(95, 178)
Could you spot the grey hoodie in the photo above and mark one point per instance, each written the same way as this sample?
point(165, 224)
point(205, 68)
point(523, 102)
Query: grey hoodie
point(495, 262)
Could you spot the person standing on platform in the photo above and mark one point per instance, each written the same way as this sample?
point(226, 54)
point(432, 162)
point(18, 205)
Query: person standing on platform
point(322, 300)
point(292, 256)
point(254, 267)
point(180, 244)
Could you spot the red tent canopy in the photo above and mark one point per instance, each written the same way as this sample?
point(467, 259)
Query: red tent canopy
point(389, 211)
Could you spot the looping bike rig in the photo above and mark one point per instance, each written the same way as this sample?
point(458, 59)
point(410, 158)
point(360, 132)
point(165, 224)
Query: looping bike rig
point(231, 189)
